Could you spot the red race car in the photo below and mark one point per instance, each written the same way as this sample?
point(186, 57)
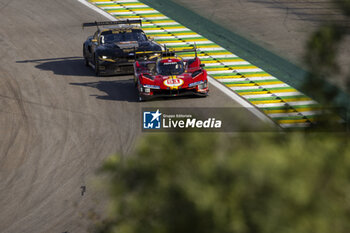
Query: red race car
point(169, 75)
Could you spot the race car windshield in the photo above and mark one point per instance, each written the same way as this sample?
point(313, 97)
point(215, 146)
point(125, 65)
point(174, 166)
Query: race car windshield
point(109, 37)
point(170, 68)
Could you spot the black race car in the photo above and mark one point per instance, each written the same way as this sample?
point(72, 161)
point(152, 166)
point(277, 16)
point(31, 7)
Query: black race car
point(113, 49)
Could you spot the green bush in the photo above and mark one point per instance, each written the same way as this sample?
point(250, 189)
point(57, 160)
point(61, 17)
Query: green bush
point(195, 183)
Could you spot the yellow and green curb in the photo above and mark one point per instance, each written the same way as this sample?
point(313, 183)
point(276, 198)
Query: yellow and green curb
point(285, 105)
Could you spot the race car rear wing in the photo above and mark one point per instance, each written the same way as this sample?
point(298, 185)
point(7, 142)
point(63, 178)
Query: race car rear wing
point(170, 53)
point(106, 23)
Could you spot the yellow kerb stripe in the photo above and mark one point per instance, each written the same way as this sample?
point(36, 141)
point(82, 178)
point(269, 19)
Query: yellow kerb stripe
point(131, 10)
point(290, 110)
point(254, 84)
point(101, 1)
point(294, 121)
point(228, 60)
point(133, 4)
point(143, 9)
point(168, 27)
point(191, 47)
point(113, 11)
point(240, 76)
point(266, 92)
point(136, 16)
point(280, 101)
point(231, 68)
point(163, 21)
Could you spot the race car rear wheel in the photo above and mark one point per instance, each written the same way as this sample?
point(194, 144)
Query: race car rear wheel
point(86, 61)
point(135, 82)
point(97, 66)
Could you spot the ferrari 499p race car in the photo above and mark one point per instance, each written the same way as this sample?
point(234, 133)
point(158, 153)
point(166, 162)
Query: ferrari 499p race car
point(170, 75)
point(112, 50)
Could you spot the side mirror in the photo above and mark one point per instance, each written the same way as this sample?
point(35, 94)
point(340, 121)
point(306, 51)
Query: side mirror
point(202, 65)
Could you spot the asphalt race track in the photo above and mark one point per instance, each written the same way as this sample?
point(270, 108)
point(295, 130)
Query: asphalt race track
point(57, 120)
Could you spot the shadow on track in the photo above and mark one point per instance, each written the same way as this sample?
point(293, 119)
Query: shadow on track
point(117, 90)
point(67, 66)
point(124, 90)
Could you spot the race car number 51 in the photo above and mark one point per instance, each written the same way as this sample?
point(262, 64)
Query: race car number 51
point(175, 82)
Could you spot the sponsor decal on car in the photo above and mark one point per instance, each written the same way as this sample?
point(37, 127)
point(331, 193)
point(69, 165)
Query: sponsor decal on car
point(173, 82)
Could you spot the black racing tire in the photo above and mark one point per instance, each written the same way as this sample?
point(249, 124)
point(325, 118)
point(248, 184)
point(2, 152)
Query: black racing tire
point(97, 66)
point(140, 98)
point(135, 82)
point(86, 61)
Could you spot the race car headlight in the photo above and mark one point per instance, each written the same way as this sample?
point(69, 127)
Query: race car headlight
point(106, 58)
point(196, 84)
point(150, 87)
point(202, 85)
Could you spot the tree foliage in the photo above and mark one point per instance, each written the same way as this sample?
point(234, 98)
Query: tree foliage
point(189, 183)
point(322, 51)
point(278, 183)
point(343, 5)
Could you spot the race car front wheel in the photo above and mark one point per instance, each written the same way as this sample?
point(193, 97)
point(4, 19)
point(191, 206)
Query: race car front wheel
point(138, 87)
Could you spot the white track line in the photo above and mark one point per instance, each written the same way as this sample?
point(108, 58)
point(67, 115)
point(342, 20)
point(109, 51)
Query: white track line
point(162, 24)
point(259, 87)
point(294, 103)
point(98, 10)
point(282, 94)
point(178, 36)
point(264, 78)
point(213, 81)
point(235, 71)
point(187, 43)
point(227, 63)
point(212, 56)
point(166, 30)
point(122, 7)
point(133, 12)
point(147, 18)
point(117, 1)
point(295, 125)
point(291, 114)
